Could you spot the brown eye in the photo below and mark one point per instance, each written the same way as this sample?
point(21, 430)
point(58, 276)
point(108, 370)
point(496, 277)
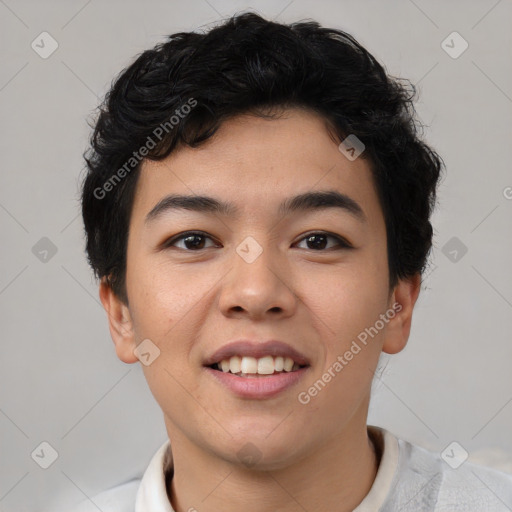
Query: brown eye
point(192, 240)
point(319, 241)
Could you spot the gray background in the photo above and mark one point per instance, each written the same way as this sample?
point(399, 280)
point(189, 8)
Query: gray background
point(60, 380)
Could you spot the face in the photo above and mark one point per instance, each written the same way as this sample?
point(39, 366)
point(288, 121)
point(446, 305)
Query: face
point(313, 278)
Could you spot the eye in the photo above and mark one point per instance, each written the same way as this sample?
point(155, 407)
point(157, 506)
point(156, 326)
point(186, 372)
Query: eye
point(193, 240)
point(318, 241)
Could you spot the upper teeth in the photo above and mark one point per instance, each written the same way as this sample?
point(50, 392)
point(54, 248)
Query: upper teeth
point(263, 366)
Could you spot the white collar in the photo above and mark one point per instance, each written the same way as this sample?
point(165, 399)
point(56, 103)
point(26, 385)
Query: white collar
point(152, 493)
point(381, 486)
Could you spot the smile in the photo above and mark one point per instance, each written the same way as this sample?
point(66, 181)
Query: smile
point(265, 377)
point(245, 366)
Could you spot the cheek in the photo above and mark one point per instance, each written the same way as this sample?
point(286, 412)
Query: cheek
point(348, 304)
point(166, 308)
point(348, 299)
point(160, 299)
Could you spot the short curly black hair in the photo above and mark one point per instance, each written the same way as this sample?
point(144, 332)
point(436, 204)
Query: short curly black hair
point(248, 64)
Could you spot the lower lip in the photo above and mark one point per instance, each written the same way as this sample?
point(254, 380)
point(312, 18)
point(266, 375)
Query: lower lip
point(258, 387)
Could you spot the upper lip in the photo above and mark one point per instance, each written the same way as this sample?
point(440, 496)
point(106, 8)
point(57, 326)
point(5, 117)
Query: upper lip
point(256, 349)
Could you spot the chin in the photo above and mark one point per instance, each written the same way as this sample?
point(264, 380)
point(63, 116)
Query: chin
point(263, 447)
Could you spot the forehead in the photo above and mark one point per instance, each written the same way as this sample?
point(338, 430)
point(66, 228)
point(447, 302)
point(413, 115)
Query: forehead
point(256, 164)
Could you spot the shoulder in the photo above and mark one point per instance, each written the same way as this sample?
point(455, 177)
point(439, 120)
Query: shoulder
point(427, 480)
point(117, 499)
point(145, 494)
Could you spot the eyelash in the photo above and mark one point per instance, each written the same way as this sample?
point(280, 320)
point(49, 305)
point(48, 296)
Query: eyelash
point(342, 243)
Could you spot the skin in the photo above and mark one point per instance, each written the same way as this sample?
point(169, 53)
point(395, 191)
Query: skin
point(316, 456)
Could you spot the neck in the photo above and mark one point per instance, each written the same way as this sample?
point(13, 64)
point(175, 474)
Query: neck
point(337, 476)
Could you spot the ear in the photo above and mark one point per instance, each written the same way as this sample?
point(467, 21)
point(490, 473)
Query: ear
point(402, 301)
point(120, 323)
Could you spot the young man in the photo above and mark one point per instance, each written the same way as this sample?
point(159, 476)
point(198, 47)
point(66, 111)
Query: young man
point(257, 208)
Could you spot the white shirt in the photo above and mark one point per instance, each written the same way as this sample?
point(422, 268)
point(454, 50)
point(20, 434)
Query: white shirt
point(409, 479)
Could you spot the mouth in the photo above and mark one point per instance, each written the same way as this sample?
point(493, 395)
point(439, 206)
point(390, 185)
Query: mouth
point(256, 370)
point(252, 367)
point(251, 378)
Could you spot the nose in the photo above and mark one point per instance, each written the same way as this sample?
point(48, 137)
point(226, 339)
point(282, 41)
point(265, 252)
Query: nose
point(258, 288)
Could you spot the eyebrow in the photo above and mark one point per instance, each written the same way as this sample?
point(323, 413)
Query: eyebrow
point(308, 201)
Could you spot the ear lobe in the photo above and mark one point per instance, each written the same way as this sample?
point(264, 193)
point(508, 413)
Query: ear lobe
point(402, 301)
point(120, 323)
